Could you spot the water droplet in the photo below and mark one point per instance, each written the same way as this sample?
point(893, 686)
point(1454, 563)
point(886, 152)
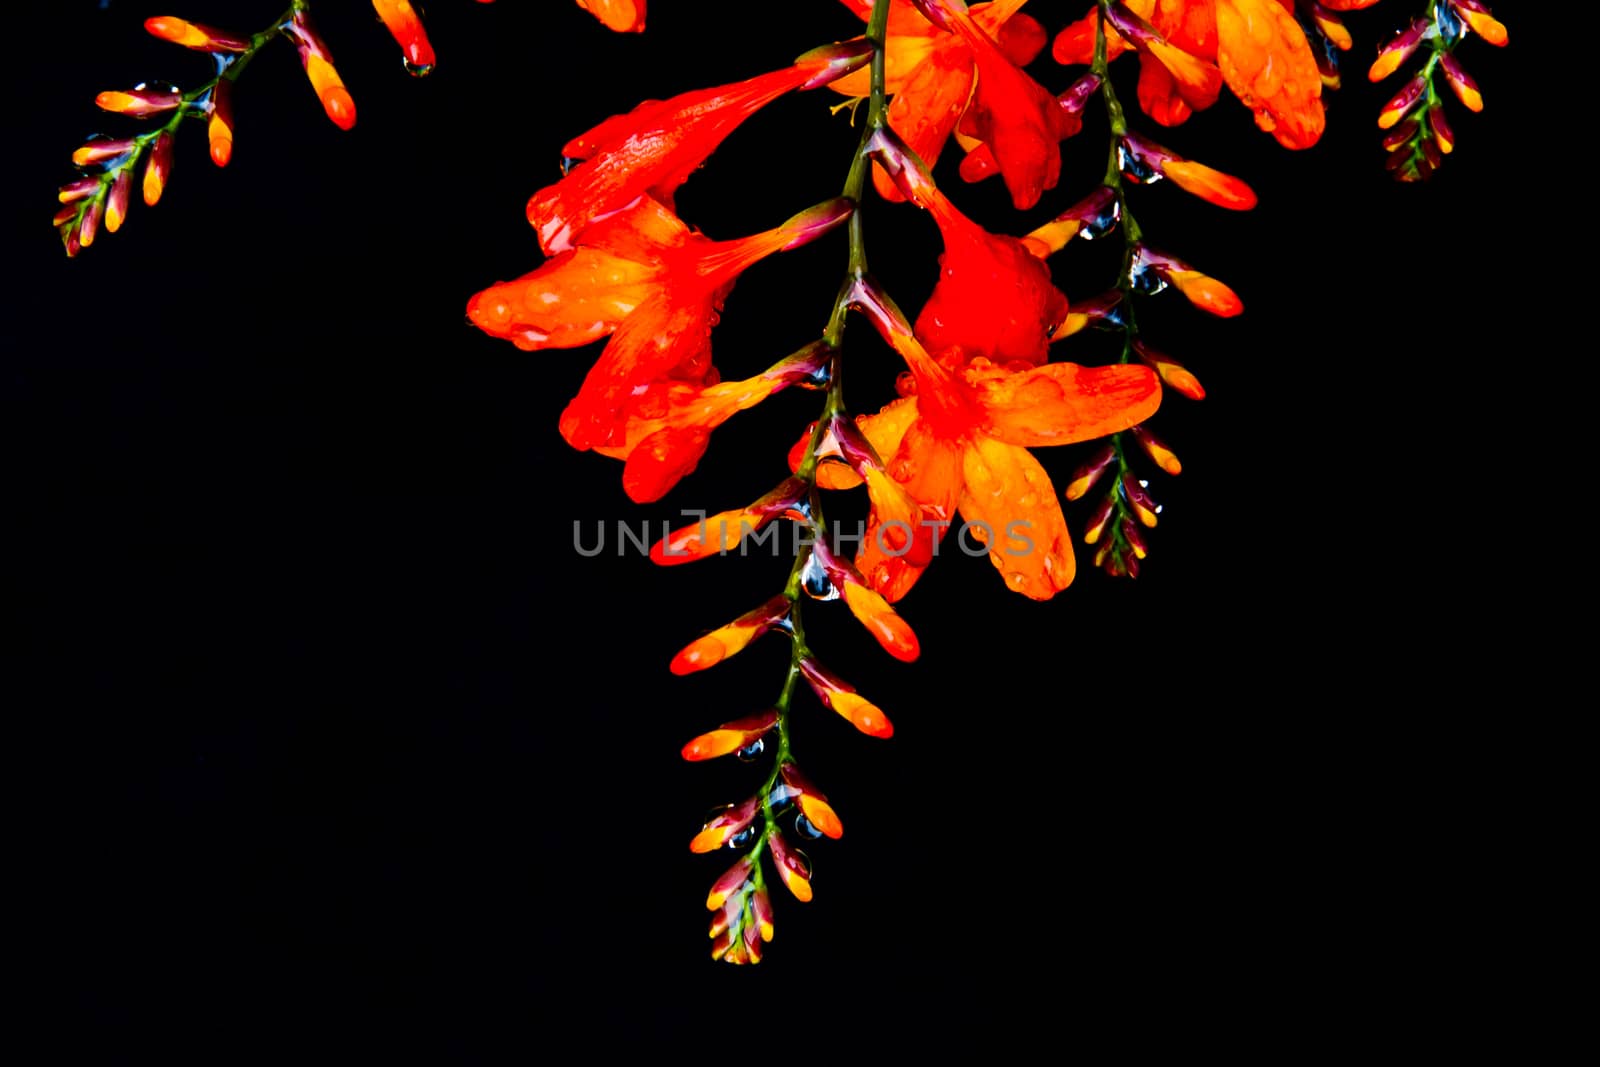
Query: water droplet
point(1449, 25)
point(820, 378)
point(1145, 279)
point(743, 837)
point(1135, 168)
point(803, 827)
point(816, 582)
point(753, 750)
point(418, 70)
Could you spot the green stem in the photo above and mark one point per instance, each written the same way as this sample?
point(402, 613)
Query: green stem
point(855, 186)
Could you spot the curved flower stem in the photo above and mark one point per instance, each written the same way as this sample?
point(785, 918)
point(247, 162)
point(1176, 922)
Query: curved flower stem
point(1115, 546)
point(854, 188)
point(193, 105)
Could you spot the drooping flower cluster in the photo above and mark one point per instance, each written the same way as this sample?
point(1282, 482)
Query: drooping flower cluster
point(102, 194)
point(1419, 133)
point(981, 387)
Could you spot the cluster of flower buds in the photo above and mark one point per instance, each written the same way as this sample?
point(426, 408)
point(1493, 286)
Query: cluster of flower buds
point(1176, 77)
point(979, 391)
point(741, 909)
point(1418, 134)
point(101, 196)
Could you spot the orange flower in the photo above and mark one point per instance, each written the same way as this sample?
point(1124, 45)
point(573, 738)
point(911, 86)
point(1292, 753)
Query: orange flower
point(656, 146)
point(1188, 48)
point(930, 71)
point(656, 287)
point(961, 443)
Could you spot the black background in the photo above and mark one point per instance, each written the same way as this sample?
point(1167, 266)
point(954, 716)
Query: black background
point(341, 737)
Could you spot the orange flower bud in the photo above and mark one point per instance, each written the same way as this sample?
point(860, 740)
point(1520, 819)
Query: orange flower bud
point(1170, 371)
point(1158, 451)
point(408, 32)
point(157, 168)
point(726, 824)
point(1089, 472)
point(1442, 133)
point(77, 190)
point(99, 149)
point(1402, 102)
point(1461, 82)
point(839, 695)
point(731, 737)
point(1476, 15)
point(813, 805)
point(882, 621)
point(719, 644)
point(140, 101)
point(90, 224)
point(731, 882)
point(1133, 491)
point(318, 64)
point(1099, 519)
point(194, 35)
point(623, 16)
point(1398, 50)
point(117, 199)
point(793, 866)
point(220, 127)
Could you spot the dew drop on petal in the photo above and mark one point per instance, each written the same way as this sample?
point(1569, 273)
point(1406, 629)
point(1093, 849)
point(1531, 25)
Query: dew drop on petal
point(752, 751)
point(803, 827)
point(743, 837)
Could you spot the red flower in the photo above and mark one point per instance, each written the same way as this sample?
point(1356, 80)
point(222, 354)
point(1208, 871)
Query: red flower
point(994, 297)
point(644, 277)
point(656, 146)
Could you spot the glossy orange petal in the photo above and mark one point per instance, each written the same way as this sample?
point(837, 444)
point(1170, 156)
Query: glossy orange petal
point(1269, 65)
point(1060, 403)
point(1010, 505)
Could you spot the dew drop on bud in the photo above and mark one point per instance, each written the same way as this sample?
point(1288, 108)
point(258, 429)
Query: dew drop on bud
point(814, 579)
point(752, 751)
point(743, 837)
point(803, 827)
point(418, 70)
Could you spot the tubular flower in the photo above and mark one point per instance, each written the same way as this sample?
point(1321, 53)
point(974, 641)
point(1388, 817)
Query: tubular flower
point(642, 276)
point(656, 146)
point(994, 297)
point(1188, 48)
point(930, 71)
point(961, 443)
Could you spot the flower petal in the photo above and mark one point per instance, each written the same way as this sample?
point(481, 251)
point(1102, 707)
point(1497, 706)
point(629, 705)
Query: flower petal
point(1010, 504)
